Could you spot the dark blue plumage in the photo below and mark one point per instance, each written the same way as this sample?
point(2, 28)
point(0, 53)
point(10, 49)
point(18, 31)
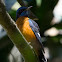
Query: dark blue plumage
point(20, 11)
point(23, 11)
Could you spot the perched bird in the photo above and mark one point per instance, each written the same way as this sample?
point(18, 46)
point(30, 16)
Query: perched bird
point(30, 31)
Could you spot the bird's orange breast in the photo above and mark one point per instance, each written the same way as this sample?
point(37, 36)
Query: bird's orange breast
point(23, 25)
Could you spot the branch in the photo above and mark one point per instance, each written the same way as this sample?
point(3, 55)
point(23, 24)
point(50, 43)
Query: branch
point(16, 37)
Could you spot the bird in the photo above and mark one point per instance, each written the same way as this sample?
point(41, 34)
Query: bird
point(30, 30)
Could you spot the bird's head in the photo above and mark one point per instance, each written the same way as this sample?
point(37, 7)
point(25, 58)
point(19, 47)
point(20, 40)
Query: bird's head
point(22, 11)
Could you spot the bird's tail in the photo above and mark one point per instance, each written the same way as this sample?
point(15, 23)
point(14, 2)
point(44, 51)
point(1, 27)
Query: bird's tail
point(41, 56)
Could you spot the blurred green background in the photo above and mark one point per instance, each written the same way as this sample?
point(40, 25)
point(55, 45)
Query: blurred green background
point(49, 13)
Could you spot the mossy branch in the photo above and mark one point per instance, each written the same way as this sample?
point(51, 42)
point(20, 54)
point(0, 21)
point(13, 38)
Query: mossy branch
point(14, 34)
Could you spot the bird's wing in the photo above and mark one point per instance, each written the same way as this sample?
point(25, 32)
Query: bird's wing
point(34, 26)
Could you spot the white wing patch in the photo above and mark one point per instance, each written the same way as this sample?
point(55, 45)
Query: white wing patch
point(38, 34)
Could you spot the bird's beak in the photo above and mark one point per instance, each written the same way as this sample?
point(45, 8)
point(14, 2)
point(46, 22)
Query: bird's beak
point(31, 15)
point(29, 7)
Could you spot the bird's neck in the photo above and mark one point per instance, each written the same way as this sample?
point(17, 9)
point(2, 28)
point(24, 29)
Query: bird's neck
point(21, 20)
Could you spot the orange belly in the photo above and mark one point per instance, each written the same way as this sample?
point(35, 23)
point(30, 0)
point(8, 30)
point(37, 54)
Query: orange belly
point(23, 25)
